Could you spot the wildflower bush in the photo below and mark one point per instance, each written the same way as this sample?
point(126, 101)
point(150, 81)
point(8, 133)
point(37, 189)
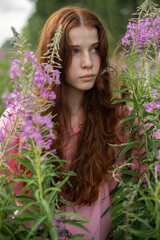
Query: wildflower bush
point(136, 202)
point(35, 211)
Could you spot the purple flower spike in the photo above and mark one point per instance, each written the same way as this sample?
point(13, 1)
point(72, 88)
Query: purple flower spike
point(157, 104)
point(146, 31)
point(52, 95)
point(149, 107)
point(157, 167)
point(14, 70)
point(61, 231)
point(59, 224)
point(41, 226)
point(31, 56)
point(154, 92)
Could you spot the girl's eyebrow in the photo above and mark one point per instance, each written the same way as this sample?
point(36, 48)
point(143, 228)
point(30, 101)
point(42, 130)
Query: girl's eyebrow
point(93, 44)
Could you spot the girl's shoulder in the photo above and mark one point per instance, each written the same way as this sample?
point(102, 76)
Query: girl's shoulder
point(10, 122)
point(8, 118)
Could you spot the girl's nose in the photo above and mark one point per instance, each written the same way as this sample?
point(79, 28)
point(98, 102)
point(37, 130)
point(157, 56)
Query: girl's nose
point(86, 60)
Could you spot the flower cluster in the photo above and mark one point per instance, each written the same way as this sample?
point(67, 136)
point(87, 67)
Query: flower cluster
point(154, 104)
point(151, 106)
point(14, 70)
point(58, 224)
point(144, 32)
point(48, 76)
point(25, 98)
point(34, 126)
point(157, 167)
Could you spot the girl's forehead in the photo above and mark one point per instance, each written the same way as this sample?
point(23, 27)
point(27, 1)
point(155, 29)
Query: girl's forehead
point(83, 34)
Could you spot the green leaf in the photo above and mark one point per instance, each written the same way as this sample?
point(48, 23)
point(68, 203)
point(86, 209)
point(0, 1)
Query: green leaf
point(123, 100)
point(53, 234)
point(35, 226)
point(74, 237)
point(132, 173)
point(126, 119)
point(106, 211)
point(124, 144)
point(75, 223)
point(120, 91)
point(73, 215)
point(60, 184)
point(46, 207)
point(144, 234)
point(128, 146)
point(144, 222)
point(4, 164)
point(54, 189)
point(28, 165)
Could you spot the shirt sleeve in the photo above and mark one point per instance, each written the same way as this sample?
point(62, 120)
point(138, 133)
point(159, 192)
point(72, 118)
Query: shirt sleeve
point(7, 125)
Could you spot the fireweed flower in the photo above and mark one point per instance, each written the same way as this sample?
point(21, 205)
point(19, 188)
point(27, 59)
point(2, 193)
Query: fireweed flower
point(34, 127)
point(56, 76)
point(40, 77)
point(30, 56)
point(23, 99)
point(157, 167)
point(41, 226)
point(145, 31)
point(154, 92)
point(14, 70)
point(60, 226)
point(149, 107)
point(157, 104)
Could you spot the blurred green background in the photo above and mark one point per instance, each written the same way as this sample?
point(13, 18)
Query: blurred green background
point(114, 14)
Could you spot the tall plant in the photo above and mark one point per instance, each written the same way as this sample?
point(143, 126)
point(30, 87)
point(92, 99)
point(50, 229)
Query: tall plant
point(136, 202)
point(36, 212)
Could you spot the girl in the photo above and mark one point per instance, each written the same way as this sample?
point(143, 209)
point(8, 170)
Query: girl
point(87, 120)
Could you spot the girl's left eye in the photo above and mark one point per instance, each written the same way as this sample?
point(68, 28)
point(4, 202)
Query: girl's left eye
point(94, 50)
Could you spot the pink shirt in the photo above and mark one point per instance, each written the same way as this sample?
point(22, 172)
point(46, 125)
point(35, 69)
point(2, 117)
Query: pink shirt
point(98, 227)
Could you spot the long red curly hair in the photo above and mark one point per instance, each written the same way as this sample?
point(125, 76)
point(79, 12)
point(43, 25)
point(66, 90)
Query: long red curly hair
point(93, 156)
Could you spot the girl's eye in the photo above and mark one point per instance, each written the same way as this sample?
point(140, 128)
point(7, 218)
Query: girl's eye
point(94, 50)
point(75, 51)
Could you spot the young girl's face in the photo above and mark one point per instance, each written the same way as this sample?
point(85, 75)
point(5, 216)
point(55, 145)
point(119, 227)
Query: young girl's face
point(85, 62)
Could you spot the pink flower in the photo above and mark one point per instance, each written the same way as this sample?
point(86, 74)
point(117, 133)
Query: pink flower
point(157, 167)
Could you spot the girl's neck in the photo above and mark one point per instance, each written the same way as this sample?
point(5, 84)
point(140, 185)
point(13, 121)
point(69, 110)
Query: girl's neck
point(74, 99)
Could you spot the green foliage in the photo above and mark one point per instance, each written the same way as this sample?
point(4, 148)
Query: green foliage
point(136, 199)
point(39, 205)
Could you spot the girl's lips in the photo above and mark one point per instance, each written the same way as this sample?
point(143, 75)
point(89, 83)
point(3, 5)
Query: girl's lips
point(88, 77)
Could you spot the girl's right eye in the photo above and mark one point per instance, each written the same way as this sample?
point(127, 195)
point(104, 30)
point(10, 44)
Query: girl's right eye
point(75, 51)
